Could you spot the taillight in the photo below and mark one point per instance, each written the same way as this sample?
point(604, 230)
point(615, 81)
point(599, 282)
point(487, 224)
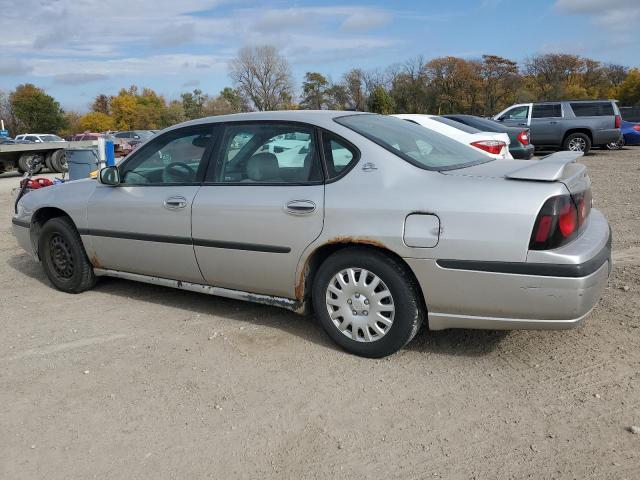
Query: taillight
point(636, 128)
point(523, 137)
point(494, 147)
point(560, 220)
point(618, 121)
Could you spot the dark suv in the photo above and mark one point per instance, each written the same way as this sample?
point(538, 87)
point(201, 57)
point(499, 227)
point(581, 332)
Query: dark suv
point(571, 125)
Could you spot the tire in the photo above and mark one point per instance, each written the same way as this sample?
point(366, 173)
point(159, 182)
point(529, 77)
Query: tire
point(63, 257)
point(577, 142)
point(25, 161)
point(397, 291)
point(59, 161)
point(47, 161)
point(619, 145)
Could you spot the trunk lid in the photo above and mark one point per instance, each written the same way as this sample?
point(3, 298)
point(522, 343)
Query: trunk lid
point(557, 167)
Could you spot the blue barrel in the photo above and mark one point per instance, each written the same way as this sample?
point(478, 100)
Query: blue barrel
point(81, 161)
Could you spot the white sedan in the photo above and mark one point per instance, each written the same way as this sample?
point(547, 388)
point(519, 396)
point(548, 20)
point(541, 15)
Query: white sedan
point(492, 144)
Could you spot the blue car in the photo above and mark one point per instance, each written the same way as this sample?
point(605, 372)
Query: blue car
point(630, 135)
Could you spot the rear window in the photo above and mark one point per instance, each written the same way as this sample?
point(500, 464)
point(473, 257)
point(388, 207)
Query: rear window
point(416, 144)
point(592, 109)
point(547, 110)
point(455, 124)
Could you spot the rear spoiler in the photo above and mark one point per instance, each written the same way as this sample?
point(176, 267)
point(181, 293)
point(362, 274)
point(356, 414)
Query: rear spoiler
point(549, 168)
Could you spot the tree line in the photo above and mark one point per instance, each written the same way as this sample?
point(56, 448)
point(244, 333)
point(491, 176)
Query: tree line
point(262, 80)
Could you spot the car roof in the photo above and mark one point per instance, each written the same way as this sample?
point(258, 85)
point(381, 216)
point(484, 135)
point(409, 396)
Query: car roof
point(315, 117)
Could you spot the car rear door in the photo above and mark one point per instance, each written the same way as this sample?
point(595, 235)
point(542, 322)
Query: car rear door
point(545, 124)
point(262, 204)
point(143, 225)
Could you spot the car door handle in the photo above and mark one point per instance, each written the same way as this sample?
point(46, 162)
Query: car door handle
point(523, 124)
point(300, 207)
point(175, 203)
point(553, 122)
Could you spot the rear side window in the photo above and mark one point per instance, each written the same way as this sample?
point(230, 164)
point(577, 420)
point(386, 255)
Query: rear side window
point(338, 154)
point(592, 109)
point(547, 110)
point(268, 153)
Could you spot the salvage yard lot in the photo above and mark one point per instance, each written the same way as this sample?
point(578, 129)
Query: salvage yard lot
point(139, 381)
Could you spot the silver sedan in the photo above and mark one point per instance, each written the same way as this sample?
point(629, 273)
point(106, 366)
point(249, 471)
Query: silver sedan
point(375, 224)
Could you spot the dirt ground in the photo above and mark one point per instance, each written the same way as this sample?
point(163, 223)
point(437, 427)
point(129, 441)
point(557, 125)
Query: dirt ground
point(137, 381)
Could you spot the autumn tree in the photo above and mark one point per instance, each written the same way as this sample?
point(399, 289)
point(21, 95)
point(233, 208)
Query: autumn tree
point(354, 83)
point(96, 122)
point(550, 75)
point(500, 82)
point(35, 111)
point(101, 104)
point(629, 89)
point(456, 84)
point(314, 91)
point(237, 103)
point(72, 124)
point(263, 76)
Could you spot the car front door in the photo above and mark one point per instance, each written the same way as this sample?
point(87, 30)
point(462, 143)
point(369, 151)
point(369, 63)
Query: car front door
point(545, 124)
point(143, 225)
point(259, 208)
point(516, 117)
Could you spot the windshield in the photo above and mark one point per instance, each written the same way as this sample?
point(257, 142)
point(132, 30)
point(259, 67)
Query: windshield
point(414, 143)
point(50, 138)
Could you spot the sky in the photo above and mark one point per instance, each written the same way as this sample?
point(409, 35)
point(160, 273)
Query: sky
point(75, 49)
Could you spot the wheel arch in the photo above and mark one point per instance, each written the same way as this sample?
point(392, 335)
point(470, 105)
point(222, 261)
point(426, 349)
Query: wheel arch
point(583, 130)
point(41, 216)
point(319, 254)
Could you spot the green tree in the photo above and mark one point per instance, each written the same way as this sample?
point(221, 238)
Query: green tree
point(381, 102)
point(629, 90)
point(35, 111)
point(234, 98)
point(314, 89)
point(193, 104)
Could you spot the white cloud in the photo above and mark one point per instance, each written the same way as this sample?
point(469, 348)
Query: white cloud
point(14, 66)
point(78, 78)
point(365, 19)
point(620, 16)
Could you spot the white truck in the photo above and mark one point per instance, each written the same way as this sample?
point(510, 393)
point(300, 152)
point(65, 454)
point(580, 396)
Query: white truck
point(18, 156)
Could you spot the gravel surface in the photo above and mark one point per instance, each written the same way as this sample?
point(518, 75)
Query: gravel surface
point(137, 381)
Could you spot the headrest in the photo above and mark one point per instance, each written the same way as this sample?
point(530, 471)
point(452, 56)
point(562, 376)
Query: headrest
point(263, 167)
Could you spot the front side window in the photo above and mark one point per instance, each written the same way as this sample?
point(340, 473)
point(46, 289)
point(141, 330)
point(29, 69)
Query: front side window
point(268, 153)
point(516, 113)
point(547, 110)
point(418, 145)
point(174, 157)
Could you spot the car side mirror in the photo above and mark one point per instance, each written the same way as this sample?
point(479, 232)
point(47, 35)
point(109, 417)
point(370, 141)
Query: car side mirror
point(109, 176)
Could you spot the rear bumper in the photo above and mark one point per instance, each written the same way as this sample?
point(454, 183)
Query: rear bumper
point(602, 137)
point(506, 295)
point(523, 152)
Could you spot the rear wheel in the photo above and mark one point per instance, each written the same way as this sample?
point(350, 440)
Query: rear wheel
point(25, 161)
point(577, 142)
point(59, 161)
point(616, 145)
point(63, 257)
point(367, 302)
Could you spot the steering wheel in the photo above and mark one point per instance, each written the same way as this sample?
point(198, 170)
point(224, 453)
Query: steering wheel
point(178, 172)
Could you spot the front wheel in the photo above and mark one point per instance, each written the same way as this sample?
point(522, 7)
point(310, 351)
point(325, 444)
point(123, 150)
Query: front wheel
point(367, 302)
point(578, 142)
point(63, 257)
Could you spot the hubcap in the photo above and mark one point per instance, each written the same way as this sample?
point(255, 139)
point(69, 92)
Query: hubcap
point(360, 305)
point(61, 256)
point(577, 144)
